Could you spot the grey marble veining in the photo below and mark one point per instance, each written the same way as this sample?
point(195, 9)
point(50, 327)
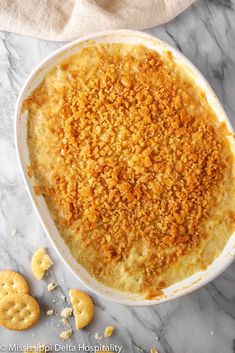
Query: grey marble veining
point(203, 322)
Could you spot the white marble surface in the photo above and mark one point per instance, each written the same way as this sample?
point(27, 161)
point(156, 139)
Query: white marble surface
point(201, 322)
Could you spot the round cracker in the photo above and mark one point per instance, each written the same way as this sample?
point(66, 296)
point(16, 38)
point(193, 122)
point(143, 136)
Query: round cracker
point(18, 312)
point(83, 308)
point(12, 282)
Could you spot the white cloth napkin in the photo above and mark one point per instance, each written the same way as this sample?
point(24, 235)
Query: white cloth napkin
point(64, 20)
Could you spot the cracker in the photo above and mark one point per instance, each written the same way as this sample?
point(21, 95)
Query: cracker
point(40, 263)
point(18, 311)
point(83, 307)
point(12, 282)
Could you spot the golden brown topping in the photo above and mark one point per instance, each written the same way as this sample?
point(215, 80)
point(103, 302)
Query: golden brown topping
point(29, 170)
point(37, 190)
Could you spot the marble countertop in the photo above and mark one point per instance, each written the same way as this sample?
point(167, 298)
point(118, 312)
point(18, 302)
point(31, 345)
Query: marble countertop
point(203, 321)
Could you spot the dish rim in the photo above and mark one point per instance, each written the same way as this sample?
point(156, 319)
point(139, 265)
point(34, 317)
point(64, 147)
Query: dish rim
point(132, 33)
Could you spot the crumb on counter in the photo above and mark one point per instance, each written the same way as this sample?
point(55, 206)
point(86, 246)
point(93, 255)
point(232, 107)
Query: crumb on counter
point(51, 286)
point(50, 312)
point(108, 331)
point(13, 232)
point(98, 336)
point(65, 335)
point(66, 312)
point(65, 321)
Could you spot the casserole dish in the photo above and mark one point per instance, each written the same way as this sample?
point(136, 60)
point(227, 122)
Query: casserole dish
point(130, 37)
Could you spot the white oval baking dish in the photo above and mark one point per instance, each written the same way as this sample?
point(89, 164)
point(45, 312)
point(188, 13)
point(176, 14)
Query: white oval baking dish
point(132, 37)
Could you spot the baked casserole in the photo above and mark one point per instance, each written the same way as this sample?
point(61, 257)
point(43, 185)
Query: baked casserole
point(135, 167)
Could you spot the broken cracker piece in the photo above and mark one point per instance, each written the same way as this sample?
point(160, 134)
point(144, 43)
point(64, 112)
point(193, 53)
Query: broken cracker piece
point(65, 335)
point(40, 263)
point(83, 308)
point(108, 331)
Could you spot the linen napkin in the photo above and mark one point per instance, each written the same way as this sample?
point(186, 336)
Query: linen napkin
point(64, 20)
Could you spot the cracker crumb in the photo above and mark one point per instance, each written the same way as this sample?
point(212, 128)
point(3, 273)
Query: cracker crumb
point(154, 350)
point(65, 335)
point(37, 190)
point(66, 312)
point(65, 321)
point(98, 336)
point(108, 331)
point(13, 232)
point(30, 171)
point(50, 312)
point(51, 286)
